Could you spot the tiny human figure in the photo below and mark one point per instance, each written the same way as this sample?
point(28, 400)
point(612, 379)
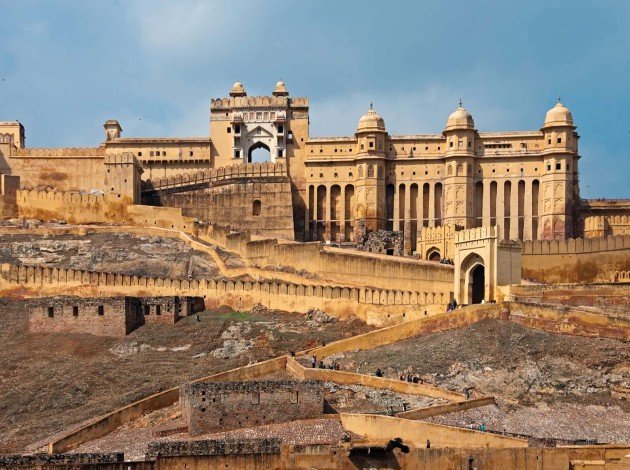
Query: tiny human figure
point(313, 362)
point(321, 365)
point(379, 372)
point(409, 379)
point(323, 343)
point(337, 366)
point(454, 304)
point(428, 444)
point(467, 392)
point(416, 379)
point(402, 376)
point(483, 427)
point(292, 353)
point(197, 317)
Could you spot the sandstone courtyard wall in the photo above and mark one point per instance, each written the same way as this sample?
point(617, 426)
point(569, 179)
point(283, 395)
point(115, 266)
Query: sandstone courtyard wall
point(576, 260)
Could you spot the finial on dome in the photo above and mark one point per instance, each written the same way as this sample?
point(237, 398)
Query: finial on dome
point(238, 89)
point(559, 115)
point(280, 90)
point(371, 105)
point(460, 102)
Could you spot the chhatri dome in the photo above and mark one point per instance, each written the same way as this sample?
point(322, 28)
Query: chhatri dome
point(371, 122)
point(559, 115)
point(280, 90)
point(238, 90)
point(460, 119)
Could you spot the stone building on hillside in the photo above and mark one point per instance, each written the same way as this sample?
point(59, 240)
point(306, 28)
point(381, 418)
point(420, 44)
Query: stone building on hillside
point(107, 316)
point(221, 406)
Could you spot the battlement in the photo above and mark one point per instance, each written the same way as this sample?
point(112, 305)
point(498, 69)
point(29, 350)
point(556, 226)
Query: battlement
point(249, 170)
point(476, 234)
point(73, 152)
point(6, 138)
point(126, 158)
point(26, 195)
point(258, 102)
point(576, 245)
point(437, 233)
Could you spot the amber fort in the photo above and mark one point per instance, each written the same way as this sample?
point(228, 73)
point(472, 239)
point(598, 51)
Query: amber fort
point(258, 297)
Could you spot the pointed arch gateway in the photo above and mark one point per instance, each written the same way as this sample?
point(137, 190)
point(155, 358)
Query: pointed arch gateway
point(259, 153)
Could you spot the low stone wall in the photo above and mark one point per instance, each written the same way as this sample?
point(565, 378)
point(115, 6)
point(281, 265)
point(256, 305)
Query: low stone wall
point(445, 321)
point(377, 428)
point(438, 410)
point(381, 383)
point(111, 421)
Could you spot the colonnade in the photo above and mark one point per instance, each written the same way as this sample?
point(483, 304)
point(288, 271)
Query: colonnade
point(513, 204)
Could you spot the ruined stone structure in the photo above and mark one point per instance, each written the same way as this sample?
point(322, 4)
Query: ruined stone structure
point(221, 406)
point(324, 188)
point(107, 316)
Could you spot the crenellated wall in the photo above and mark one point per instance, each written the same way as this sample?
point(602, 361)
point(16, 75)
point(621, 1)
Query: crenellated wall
point(377, 306)
point(432, 282)
point(576, 260)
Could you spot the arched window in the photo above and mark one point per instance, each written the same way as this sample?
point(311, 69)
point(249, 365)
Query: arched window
point(370, 171)
point(256, 207)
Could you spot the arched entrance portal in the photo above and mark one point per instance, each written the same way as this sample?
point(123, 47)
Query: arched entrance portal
point(478, 276)
point(258, 153)
point(434, 255)
point(472, 280)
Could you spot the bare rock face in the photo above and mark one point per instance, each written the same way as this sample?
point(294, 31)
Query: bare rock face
point(319, 316)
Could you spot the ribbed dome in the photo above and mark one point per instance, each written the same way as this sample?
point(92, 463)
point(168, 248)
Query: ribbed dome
point(559, 115)
point(238, 90)
point(280, 90)
point(460, 119)
point(371, 122)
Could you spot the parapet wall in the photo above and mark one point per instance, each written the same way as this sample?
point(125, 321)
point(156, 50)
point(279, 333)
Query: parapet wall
point(364, 303)
point(576, 260)
point(250, 170)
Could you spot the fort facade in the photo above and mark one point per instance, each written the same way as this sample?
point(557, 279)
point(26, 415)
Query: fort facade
point(327, 188)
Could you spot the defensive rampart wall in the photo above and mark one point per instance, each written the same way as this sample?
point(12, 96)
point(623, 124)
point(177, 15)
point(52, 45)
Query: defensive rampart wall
point(433, 281)
point(241, 295)
point(576, 260)
point(416, 433)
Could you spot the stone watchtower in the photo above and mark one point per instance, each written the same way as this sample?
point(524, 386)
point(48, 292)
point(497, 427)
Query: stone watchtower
point(370, 160)
point(560, 193)
point(459, 161)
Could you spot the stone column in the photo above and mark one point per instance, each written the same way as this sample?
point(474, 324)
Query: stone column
point(514, 211)
point(342, 213)
point(500, 207)
point(328, 215)
point(431, 204)
point(420, 207)
point(396, 222)
point(485, 217)
point(407, 222)
point(307, 215)
point(527, 211)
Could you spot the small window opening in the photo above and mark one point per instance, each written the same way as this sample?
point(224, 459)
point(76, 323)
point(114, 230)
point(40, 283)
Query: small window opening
point(559, 140)
point(558, 166)
point(75, 311)
point(295, 397)
point(51, 312)
point(256, 207)
point(280, 129)
point(101, 310)
point(229, 130)
point(158, 310)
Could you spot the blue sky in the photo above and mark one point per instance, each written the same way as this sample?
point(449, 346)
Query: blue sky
point(67, 66)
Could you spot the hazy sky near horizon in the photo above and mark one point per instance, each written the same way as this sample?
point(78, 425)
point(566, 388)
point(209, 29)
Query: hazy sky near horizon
point(67, 66)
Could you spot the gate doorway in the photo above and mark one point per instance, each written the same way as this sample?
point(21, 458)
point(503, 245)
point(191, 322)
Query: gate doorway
point(258, 153)
point(478, 275)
